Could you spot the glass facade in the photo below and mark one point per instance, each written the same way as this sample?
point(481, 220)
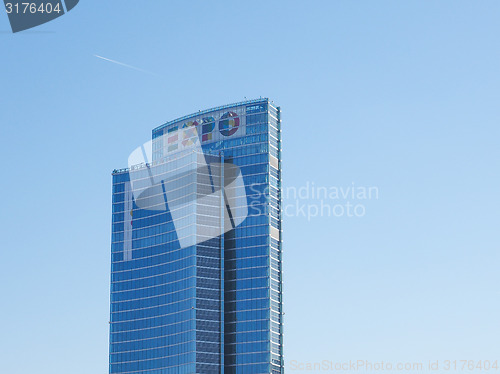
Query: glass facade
point(196, 247)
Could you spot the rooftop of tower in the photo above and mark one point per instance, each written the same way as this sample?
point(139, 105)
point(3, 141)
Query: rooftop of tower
point(246, 102)
point(201, 112)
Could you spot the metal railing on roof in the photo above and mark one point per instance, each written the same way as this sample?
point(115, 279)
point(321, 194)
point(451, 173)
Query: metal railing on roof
point(144, 165)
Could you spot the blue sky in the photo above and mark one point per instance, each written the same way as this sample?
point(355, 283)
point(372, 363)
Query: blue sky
point(398, 95)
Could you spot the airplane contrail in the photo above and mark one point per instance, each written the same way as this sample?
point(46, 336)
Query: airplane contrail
point(122, 64)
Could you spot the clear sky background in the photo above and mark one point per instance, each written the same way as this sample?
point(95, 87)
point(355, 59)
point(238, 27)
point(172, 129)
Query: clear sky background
point(401, 95)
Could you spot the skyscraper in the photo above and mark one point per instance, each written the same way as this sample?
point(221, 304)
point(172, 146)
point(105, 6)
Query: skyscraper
point(196, 247)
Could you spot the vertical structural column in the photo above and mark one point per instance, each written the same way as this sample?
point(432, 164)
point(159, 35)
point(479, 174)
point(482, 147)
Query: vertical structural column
point(280, 204)
point(222, 215)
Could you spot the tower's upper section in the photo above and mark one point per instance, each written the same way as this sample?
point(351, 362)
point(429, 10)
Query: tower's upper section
point(209, 126)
